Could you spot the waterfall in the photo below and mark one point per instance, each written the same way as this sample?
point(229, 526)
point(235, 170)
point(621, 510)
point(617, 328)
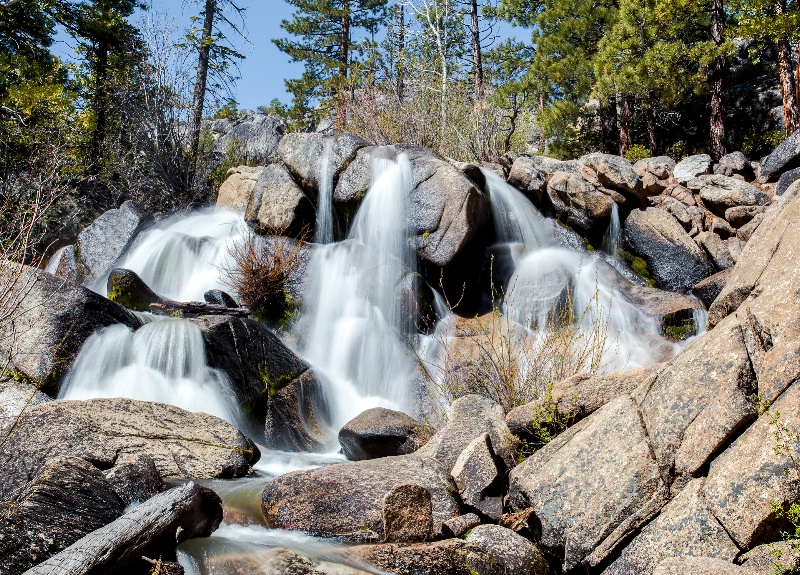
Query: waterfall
point(612, 239)
point(163, 361)
point(324, 233)
point(516, 220)
point(356, 336)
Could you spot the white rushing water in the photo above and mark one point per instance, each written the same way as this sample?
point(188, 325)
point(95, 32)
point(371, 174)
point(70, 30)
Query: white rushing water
point(163, 361)
point(356, 337)
point(324, 227)
point(612, 239)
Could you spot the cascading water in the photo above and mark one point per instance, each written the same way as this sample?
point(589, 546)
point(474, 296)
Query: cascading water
point(324, 228)
point(356, 337)
point(163, 361)
point(613, 236)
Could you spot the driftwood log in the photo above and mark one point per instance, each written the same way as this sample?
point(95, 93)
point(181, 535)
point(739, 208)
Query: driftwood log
point(153, 529)
point(196, 308)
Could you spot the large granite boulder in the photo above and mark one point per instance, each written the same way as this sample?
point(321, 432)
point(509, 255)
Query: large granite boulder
point(716, 250)
point(766, 559)
point(786, 180)
point(527, 178)
point(514, 553)
point(660, 166)
point(708, 289)
point(740, 215)
point(303, 154)
point(49, 320)
point(480, 477)
point(578, 204)
point(721, 192)
point(698, 566)
point(237, 189)
point(692, 167)
point(251, 137)
point(735, 164)
point(380, 432)
point(278, 205)
point(345, 500)
point(15, 398)
point(616, 173)
point(182, 444)
point(785, 157)
point(129, 290)
point(673, 258)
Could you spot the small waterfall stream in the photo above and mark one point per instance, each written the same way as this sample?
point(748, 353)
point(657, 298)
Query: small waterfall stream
point(324, 227)
point(612, 240)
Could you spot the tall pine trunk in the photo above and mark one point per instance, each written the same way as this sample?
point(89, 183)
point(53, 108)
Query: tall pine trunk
point(717, 77)
point(625, 114)
point(401, 48)
point(477, 64)
point(100, 107)
point(201, 80)
point(344, 63)
point(608, 125)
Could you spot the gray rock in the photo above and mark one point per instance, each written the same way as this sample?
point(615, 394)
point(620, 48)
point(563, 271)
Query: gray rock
point(480, 481)
point(720, 193)
point(15, 398)
point(102, 243)
point(708, 289)
point(740, 215)
point(344, 500)
point(673, 258)
point(380, 432)
point(67, 499)
point(407, 514)
point(681, 193)
point(448, 557)
point(52, 320)
point(219, 297)
point(252, 138)
point(278, 205)
point(692, 167)
point(527, 178)
point(684, 527)
point(182, 444)
point(786, 180)
point(237, 189)
point(303, 153)
point(578, 204)
point(129, 290)
point(660, 166)
point(716, 249)
point(135, 479)
point(65, 264)
point(747, 230)
point(735, 164)
point(592, 486)
point(782, 158)
point(735, 247)
point(698, 566)
point(470, 417)
point(680, 212)
point(768, 559)
point(355, 180)
point(722, 228)
point(613, 172)
point(514, 553)
point(459, 526)
point(297, 418)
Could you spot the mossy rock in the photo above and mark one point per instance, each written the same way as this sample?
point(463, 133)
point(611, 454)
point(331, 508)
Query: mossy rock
point(129, 290)
point(638, 265)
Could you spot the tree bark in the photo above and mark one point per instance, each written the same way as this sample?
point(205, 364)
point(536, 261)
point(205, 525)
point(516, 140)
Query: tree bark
point(199, 96)
point(401, 48)
point(477, 64)
point(717, 77)
point(652, 135)
point(100, 106)
point(608, 125)
point(625, 123)
point(791, 116)
point(344, 44)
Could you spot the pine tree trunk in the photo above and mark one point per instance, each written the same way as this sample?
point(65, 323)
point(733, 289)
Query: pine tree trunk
point(199, 96)
point(344, 45)
point(652, 136)
point(401, 47)
point(608, 125)
point(625, 123)
point(100, 107)
point(717, 76)
point(477, 64)
point(790, 110)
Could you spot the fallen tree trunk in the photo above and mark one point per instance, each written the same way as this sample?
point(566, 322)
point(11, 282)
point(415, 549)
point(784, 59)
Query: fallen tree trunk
point(153, 529)
point(196, 308)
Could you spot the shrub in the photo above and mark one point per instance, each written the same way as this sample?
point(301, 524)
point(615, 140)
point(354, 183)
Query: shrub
point(637, 152)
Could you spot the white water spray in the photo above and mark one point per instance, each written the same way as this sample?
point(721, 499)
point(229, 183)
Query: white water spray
point(612, 239)
point(324, 233)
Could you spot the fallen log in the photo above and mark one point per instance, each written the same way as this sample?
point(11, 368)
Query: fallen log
point(195, 309)
point(153, 529)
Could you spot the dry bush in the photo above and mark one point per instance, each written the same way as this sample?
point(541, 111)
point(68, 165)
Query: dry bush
point(260, 269)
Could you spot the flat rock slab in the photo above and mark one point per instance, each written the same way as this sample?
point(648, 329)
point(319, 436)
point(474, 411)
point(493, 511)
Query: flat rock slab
point(448, 557)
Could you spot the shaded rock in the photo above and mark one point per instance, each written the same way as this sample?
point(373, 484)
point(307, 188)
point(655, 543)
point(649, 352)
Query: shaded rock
point(153, 529)
point(67, 499)
point(698, 566)
point(182, 444)
point(735, 164)
point(237, 189)
point(135, 479)
point(380, 432)
point(278, 205)
point(613, 172)
point(526, 177)
point(749, 476)
point(786, 180)
point(480, 481)
point(578, 204)
point(722, 228)
point(716, 249)
point(15, 398)
point(708, 289)
point(673, 258)
point(735, 247)
point(53, 319)
point(470, 417)
point(684, 527)
point(740, 215)
point(514, 553)
point(785, 157)
point(660, 166)
point(448, 557)
point(720, 193)
point(66, 265)
point(252, 137)
point(219, 297)
point(102, 243)
point(771, 558)
point(681, 193)
point(592, 486)
point(747, 230)
point(407, 514)
point(670, 309)
point(459, 526)
point(680, 212)
point(345, 500)
point(297, 416)
point(303, 153)
point(692, 167)
point(129, 290)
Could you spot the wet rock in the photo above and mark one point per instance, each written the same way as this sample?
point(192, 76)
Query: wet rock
point(345, 500)
point(355, 180)
point(380, 432)
point(129, 290)
point(470, 417)
point(747, 230)
point(708, 289)
point(692, 167)
point(592, 486)
point(15, 398)
point(716, 249)
point(237, 189)
point(302, 153)
point(54, 318)
point(698, 566)
point(65, 500)
point(153, 529)
point(527, 178)
point(513, 553)
point(720, 193)
point(66, 265)
point(252, 137)
point(684, 527)
point(480, 481)
point(613, 172)
point(459, 526)
point(673, 258)
point(785, 157)
point(786, 180)
point(578, 204)
point(740, 215)
point(735, 164)
point(407, 514)
point(102, 243)
point(660, 166)
point(182, 444)
point(269, 561)
point(219, 297)
point(135, 479)
point(297, 418)
point(670, 309)
point(770, 558)
point(448, 557)
point(278, 205)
